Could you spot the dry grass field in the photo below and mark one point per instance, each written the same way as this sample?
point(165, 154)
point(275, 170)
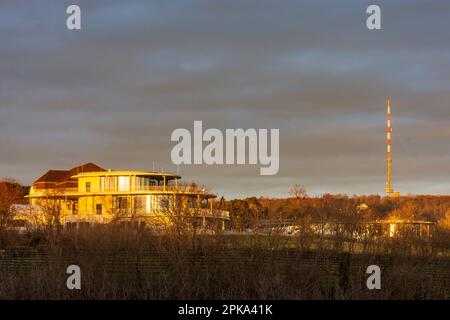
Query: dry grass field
point(134, 263)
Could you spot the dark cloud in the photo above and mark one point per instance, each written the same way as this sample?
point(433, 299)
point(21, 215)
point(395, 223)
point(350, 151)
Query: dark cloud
point(113, 92)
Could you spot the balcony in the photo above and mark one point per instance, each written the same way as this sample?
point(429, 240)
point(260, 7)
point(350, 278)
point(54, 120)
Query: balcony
point(61, 192)
point(160, 188)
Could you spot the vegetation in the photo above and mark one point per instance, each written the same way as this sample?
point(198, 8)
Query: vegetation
point(248, 212)
point(119, 262)
point(11, 193)
point(253, 259)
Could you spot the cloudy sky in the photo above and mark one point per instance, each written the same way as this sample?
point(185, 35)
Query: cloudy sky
point(113, 92)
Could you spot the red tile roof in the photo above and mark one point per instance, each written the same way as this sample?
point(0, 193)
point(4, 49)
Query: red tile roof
point(63, 178)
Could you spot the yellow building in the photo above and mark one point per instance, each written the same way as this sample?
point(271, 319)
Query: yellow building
point(91, 194)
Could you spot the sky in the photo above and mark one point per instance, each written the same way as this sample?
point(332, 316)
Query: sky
point(113, 92)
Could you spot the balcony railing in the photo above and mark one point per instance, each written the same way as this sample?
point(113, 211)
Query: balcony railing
point(73, 191)
point(213, 213)
point(171, 188)
point(53, 192)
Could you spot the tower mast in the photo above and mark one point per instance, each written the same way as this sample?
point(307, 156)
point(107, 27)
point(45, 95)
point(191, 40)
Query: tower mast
point(389, 191)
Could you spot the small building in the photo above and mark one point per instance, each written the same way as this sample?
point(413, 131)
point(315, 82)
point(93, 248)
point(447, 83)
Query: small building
point(398, 228)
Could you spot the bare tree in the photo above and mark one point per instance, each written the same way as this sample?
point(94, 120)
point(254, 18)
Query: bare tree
point(49, 214)
point(407, 211)
point(10, 193)
point(298, 192)
point(179, 214)
point(444, 222)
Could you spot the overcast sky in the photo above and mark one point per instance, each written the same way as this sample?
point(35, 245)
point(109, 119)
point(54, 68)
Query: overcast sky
point(113, 92)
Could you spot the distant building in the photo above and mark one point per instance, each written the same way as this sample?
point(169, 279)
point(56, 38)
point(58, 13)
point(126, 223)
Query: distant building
point(398, 228)
point(389, 228)
point(91, 194)
point(362, 207)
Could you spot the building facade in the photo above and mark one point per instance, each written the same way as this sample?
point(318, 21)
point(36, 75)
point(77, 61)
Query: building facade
point(91, 194)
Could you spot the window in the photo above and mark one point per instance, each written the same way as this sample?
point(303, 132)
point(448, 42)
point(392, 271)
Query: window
point(124, 183)
point(111, 183)
point(191, 202)
point(102, 184)
point(72, 207)
point(144, 183)
point(88, 187)
point(139, 204)
point(98, 208)
point(148, 204)
point(121, 203)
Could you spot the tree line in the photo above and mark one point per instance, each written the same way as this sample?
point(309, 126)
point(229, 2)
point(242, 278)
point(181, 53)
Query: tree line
point(299, 207)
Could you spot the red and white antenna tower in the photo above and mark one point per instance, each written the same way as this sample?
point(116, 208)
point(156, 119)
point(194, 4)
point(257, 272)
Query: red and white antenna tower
point(389, 191)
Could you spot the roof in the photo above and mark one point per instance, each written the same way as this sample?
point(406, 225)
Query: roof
point(65, 178)
point(400, 221)
point(69, 178)
point(155, 175)
point(53, 176)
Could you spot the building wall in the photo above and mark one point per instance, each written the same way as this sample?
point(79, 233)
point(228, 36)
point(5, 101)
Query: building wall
point(94, 181)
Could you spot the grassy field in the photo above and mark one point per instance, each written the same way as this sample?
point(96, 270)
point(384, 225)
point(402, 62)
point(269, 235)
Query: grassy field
point(121, 263)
